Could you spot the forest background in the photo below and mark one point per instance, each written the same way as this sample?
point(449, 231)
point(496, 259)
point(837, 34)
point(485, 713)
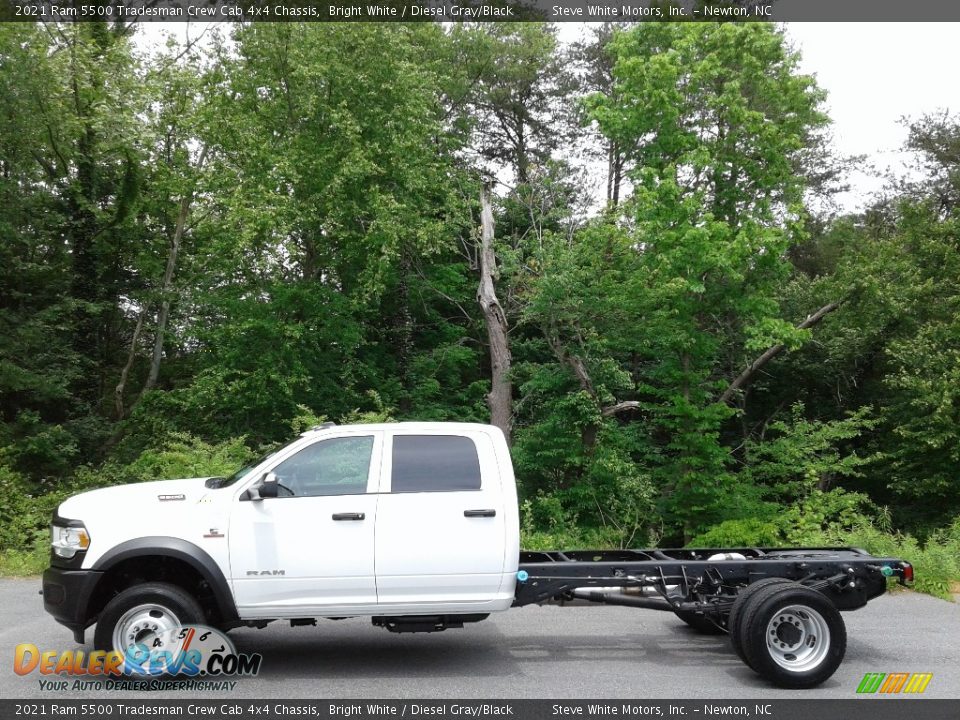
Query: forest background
point(207, 246)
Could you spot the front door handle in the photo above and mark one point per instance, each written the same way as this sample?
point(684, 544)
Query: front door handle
point(349, 516)
point(479, 513)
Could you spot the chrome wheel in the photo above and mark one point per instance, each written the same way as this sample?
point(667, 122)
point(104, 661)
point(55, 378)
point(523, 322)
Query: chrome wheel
point(798, 638)
point(142, 624)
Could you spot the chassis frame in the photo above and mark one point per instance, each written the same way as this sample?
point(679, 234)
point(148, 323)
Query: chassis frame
point(688, 581)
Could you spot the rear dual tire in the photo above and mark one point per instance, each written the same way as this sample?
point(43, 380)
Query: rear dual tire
point(736, 612)
point(790, 634)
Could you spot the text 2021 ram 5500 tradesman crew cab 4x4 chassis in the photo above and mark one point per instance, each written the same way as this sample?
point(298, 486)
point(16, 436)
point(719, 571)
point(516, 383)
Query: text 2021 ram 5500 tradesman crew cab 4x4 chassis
point(416, 525)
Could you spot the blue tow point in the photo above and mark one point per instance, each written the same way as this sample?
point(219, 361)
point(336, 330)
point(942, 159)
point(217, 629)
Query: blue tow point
point(886, 570)
point(522, 575)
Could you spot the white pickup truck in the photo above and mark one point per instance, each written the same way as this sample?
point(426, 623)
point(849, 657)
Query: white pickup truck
point(415, 525)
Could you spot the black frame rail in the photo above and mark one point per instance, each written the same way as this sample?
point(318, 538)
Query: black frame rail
point(688, 580)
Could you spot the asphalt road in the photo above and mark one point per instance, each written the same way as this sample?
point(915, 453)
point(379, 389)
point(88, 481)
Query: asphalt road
point(532, 652)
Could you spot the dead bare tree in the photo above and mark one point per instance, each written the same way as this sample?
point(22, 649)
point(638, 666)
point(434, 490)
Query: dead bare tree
point(500, 399)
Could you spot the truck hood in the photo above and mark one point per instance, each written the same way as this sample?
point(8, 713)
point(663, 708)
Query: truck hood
point(159, 495)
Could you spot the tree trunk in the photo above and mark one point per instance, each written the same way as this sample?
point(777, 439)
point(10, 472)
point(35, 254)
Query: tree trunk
point(615, 162)
point(167, 285)
point(610, 173)
point(165, 289)
point(122, 384)
point(618, 160)
point(403, 334)
point(500, 399)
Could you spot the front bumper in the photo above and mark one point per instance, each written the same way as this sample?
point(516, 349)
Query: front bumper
point(66, 596)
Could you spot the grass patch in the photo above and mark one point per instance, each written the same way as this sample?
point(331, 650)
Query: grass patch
point(23, 563)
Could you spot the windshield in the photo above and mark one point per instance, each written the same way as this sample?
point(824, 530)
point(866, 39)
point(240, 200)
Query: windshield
point(215, 483)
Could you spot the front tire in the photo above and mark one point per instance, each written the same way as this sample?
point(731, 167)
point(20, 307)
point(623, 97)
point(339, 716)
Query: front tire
point(142, 612)
point(792, 635)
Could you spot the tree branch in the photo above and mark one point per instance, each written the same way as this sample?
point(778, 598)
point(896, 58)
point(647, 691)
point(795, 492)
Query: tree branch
point(131, 356)
point(579, 368)
point(746, 375)
point(623, 406)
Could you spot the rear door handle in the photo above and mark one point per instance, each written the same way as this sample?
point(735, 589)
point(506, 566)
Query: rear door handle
point(349, 516)
point(479, 513)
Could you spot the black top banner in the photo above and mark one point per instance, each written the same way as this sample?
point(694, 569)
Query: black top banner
point(478, 10)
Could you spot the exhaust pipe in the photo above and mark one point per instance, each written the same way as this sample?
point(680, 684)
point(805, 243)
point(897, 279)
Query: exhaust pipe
point(621, 598)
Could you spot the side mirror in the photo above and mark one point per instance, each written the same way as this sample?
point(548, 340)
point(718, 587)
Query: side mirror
point(269, 487)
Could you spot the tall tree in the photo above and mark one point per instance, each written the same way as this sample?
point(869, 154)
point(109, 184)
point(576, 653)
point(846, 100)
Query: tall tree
point(715, 116)
point(83, 97)
point(595, 58)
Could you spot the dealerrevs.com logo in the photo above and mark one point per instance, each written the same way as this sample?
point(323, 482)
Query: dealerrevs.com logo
point(188, 657)
point(894, 683)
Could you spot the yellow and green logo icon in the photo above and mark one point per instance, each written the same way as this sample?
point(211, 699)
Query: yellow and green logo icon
point(892, 683)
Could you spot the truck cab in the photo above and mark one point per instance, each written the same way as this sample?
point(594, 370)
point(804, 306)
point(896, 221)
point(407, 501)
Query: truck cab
point(398, 521)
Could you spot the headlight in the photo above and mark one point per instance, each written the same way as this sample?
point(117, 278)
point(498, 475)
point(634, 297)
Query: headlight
point(67, 540)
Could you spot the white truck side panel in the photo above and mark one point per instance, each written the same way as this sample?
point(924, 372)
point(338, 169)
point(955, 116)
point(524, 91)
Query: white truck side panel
point(117, 515)
point(414, 553)
point(428, 553)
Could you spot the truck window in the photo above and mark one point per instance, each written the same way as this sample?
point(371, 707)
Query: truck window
point(338, 466)
point(215, 483)
point(434, 463)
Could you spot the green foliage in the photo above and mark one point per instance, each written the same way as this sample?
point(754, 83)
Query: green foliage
point(799, 454)
point(178, 455)
point(306, 419)
point(830, 513)
point(25, 512)
point(924, 413)
point(380, 414)
point(936, 562)
point(562, 530)
point(37, 447)
point(208, 248)
point(22, 563)
point(807, 522)
point(184, 456)
point(749, 532)
point(839, 519)
point(715, 116)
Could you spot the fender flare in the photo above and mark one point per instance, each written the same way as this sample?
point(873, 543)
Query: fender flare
point(193, 555)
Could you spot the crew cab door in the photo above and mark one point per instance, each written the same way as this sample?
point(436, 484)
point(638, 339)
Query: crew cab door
point(440, 523)
point(310, 548)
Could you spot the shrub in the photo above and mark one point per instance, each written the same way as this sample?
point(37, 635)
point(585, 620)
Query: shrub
point(25, 511)
point(26, 507)
point(185, 456)
point(829, 513)
point(936, 563)
point(839, 520)
point(749, 532)
point(18, 563)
